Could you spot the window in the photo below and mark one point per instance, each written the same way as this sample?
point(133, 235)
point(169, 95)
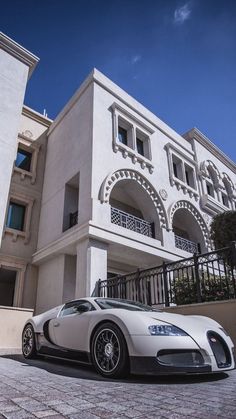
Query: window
point(189, 175)
point(225, 200)
point(23, 159)
point(131, 137)
point(140, 147)
point(71, 203)
point(177, 167)
point(16, 216)
point(122, 135)
point(72, 308)
point(210, 189)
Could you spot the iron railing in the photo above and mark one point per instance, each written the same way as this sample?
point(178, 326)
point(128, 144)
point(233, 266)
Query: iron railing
point(73, 219)
point(204, 277)
point(131, 222)
point(187, 245)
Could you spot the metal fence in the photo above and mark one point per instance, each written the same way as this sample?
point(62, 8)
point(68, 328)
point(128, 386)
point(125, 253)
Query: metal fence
point(131, 222)
point(203, 277)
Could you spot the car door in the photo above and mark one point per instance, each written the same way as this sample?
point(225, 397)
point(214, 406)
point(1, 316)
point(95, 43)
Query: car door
point(70, 328)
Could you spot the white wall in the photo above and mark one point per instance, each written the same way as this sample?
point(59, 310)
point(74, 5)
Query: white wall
point(69, 152)
point(13, 79)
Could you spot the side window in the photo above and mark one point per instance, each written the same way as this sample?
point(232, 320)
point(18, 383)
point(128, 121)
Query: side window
point(72, 308)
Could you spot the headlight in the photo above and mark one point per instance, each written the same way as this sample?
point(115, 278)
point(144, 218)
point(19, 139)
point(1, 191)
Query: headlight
point(165, 330)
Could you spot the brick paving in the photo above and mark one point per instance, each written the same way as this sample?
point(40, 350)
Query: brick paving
point(55, 390)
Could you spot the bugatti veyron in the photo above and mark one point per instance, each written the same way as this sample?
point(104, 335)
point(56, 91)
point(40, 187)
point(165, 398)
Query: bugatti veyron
point(120, 336)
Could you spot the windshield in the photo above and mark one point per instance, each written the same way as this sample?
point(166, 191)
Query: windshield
point(106, 303)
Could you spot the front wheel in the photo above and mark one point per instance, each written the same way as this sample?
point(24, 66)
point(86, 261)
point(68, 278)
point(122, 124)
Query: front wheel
point(109, 351)
point(28, 342)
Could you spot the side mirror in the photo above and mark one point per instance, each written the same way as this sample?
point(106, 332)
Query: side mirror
point(82, 308)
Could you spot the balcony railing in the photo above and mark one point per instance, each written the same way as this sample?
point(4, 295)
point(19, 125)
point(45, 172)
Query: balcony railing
point(73, 219)
point(131, 222)
point(187, 245)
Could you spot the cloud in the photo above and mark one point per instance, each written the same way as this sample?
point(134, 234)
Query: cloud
point(182, 14)
point(135, 59)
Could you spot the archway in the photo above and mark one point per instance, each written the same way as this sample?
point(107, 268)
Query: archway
point(191, 232)
point(130, 192)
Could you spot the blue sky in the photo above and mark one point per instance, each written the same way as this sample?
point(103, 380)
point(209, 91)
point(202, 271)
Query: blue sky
point(178, 58)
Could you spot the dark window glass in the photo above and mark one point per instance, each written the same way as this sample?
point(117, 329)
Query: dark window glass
point(187, 178)
point(225, 200)
point(105, 303)
point(122, 135)
point(16, 216)
point(72, 308)
point(175, 169)
point(23, 159)
point(140, 147)
point(210, 189)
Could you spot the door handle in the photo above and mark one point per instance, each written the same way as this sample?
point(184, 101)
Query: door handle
point(56, 324)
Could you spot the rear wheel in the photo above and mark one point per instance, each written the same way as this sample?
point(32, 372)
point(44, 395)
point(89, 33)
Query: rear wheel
point(109, 351)
point(28, 342)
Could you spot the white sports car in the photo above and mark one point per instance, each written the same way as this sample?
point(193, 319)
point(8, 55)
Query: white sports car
point(120, 336)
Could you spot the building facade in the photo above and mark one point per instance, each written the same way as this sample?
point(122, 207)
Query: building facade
point(110, 188)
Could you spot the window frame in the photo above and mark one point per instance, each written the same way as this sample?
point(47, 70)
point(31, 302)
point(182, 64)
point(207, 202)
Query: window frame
point(135, 129)
point(182, 161)
point(17, 204)
point(28, 203)
point(29, 146)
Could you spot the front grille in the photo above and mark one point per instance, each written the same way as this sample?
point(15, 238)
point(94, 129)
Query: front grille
point(219, 349)
point(180, 358)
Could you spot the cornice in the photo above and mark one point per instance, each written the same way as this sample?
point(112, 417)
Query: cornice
point(36, 116)
point(101, 80)
point(19, 52)
point(195, 134)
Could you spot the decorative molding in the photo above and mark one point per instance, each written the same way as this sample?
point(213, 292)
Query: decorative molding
point(211, 205)
point(124, 174)
point(195, 134)
point(195, 213)
point(181, 184)
point(163, 194)
point(31, 146)
point(133, 125)
point(27, 133)
point(28, 202)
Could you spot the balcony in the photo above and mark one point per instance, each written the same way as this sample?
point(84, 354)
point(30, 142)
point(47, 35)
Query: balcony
point(131, 222)
point(73, 219)
point(186, 245)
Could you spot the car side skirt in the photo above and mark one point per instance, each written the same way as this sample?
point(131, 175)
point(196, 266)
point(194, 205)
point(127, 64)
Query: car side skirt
point(68, 354)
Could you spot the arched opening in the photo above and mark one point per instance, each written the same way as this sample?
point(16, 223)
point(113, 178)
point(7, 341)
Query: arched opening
point(132, 208)
point(188, 232)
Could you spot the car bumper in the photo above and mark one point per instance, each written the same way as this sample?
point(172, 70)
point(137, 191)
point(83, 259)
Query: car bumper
point(177, 355)
point(143, 365)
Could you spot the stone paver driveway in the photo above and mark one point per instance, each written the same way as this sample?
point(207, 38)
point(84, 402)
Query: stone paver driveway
point(55, 390)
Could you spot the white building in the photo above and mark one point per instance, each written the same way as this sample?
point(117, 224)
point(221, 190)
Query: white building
point(120, 191)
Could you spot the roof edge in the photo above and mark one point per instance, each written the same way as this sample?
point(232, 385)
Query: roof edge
point(36, 116)
point(196, 134)
point(19, 52)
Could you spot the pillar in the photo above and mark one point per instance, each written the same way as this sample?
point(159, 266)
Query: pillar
point(91, 266)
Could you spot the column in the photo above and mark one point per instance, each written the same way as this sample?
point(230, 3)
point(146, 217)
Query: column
point(91, 266)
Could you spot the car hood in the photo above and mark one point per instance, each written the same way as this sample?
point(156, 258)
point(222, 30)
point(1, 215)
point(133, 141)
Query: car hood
point(138, 322)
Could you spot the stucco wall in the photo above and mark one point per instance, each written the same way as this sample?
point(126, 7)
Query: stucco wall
point(12, 321)
point(13, 79)
point(224, 312)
